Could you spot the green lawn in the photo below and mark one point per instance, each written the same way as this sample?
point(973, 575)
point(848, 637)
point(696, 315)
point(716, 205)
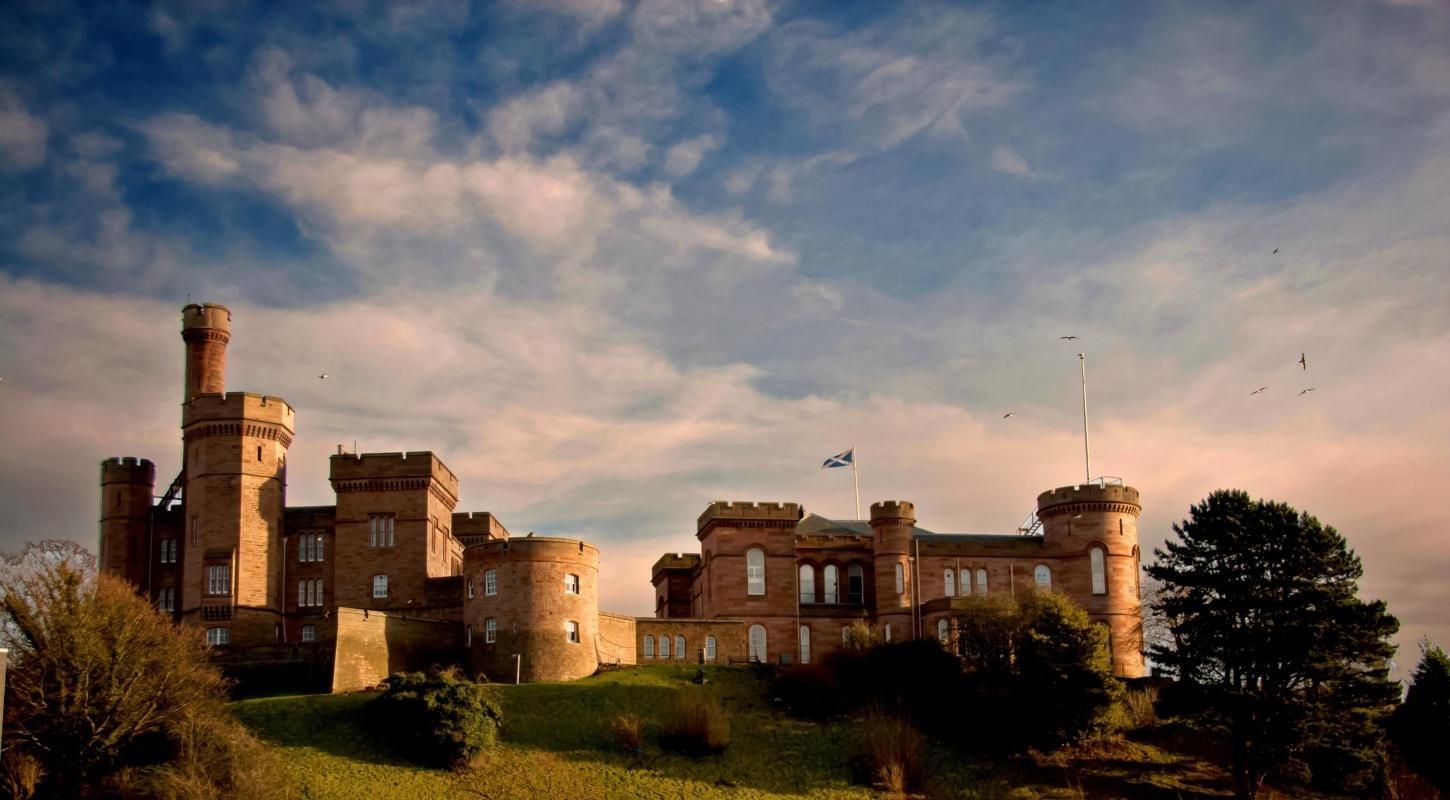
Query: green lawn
point(553, 747)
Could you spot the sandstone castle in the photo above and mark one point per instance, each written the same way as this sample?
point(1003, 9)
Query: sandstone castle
point(392, 577)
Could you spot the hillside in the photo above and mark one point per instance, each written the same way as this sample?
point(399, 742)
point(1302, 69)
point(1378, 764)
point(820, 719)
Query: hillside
point(553, 747)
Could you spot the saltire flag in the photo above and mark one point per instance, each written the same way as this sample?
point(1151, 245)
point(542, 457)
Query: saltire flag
point(840, 459)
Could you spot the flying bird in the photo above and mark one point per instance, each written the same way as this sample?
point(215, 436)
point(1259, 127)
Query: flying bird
point(1256, 391)
point(1067, 338)
point(322, 377)
point(1009, 414)
point(1303, 363)
point(1276, 251)
point(1306, 391)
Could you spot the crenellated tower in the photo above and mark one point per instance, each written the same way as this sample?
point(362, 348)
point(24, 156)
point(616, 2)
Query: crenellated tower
point(206, 328)
point(893, 522)
point(127, 485)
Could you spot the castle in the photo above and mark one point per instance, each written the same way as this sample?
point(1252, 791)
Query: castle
point(392, 577)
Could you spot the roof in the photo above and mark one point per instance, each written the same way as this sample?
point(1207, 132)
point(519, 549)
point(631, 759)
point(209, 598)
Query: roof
point(815, 525)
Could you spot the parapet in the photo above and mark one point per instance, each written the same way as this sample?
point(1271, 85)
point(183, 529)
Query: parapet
point(893, 510)
point(670, 561)
point(1123, 499)
point(787, 514)
point(236, 406)
point(477, 526)
point(375, 466)
point(128, 470)
point(532, 548)
point(206, 316)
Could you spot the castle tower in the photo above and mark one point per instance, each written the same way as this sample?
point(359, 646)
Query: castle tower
point(206, 328)
point(1091, 534)
point(127, 485)
point(893, 523)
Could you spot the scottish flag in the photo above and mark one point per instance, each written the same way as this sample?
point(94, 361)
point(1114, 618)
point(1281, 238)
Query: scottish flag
point(840, 459)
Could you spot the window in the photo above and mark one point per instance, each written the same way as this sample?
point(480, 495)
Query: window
point(309, 633)
point(218, 636)
point(309, 592)
point(845, 634)
point(886, 632)
point(710, 649)
point(195, 529)
point(380, 529)
point(805, 644)
point(380, 586)
point(468, 636)
point(571, 584)
point(470, 588)
point(981, 581)
point(219, 579)
point(900, 578)
point(808, 583)
point(490, 583)
point(949, 579)
point(965, 579)
point(649, 646)
point(309, 547)
point(679, 647)
point(855, 584)
point(755, 571)
point(832, 584)
point(1042, 576)
point(168, 551)
point(166, 600)
point(664, 646)
point(1100, 570)
point(490, 630)
point(259, 452)
point(941, 630)
point(757, 643)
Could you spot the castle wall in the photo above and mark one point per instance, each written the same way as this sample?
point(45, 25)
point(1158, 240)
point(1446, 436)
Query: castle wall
point(127, 485)
point(729, 640)
point(617, 639)
point(371, 645)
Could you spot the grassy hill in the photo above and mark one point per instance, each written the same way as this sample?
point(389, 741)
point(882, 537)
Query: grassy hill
point(554, 746)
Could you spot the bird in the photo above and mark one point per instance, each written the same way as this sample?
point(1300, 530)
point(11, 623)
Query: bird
point(1303, 362)
point(1067, 338)
point(1009, 414)
point(322, 377)
point(1306, 391)
point(1276, 251)
point(1256, 391)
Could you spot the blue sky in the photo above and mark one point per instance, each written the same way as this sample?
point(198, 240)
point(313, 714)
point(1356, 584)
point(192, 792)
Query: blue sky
point(613, 260)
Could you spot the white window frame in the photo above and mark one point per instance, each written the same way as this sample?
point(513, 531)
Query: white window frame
point(382, 530)
point(166, 599)
point(1042, 577)
point(571, 583)
point(168, 551)
point(380, 581)
point(949, 581)
point(755, 573)
point(219, 580)
point(900, 578)
point(309, 633)
point(468, 636)
point(943, 630)
point(886, 632)
point(664, 650)
point(490, 582)
point(1098, 559)
point(490, 630)
point(649, 645)
point(571, 631)
point(805, 644)
point(982, 581)
point(679, 647)
point(831, 584)
point(470, 588)
point(964, 582)
point(218, 637)
point(807, 581)
point(710, 649)
point(758, 651)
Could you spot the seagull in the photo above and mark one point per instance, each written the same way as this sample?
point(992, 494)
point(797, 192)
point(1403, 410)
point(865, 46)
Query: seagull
point(1009, 414)
point(1256, 391)
point(1306, 391)
point(1067, 338)
point(1303, 362)
point(322, 377)
point(1276, 251)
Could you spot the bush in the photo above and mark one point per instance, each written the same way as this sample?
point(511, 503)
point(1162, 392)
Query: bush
point(1140, 705)
point(440, 717)
point(697, 726)
point(808, 691)
point(892, 753)
point(625, 731)
point(917, 676)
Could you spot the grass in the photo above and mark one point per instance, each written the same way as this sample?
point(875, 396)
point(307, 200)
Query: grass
point(556, 743)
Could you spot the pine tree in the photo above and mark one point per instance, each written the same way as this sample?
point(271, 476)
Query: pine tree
point(1261, 603)
point(1421, 726)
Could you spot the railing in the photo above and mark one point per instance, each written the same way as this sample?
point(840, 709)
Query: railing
point(1104, 481)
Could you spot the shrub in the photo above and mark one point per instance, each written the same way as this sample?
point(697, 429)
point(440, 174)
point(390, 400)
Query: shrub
point(625, 730)
point(1140, 707)
point(914, 675)
point(892, 752)
point(696, 726)
point(437, 717)
point(808, 691)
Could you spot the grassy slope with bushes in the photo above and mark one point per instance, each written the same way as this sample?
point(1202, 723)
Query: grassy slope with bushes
point(556, 743)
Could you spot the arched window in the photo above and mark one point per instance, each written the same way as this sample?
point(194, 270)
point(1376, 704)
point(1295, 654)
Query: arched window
point(966, 582)
point(982, 581)
point(805, 644)
point(710, 649)
point(755, 571)
point(1100, 570)
point(1042, 576)
point(808, 583)
point(679, 647)
point(855, 584)
point(664, 646)
point(900, 577)
point(949, 580)
point(757, 643)
point(832, 584)
point(649, 646)
point(468, 636)
point(941, 630)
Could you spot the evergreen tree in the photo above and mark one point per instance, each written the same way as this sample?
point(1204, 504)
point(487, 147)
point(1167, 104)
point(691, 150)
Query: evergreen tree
point(1261, 604)
point(1421, 726)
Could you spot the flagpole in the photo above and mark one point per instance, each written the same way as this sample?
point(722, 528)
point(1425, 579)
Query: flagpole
point(856, 479)
point(1086, 464)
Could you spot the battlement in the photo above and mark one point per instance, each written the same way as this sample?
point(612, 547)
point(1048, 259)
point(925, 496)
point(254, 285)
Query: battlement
point(128, 470)
point(893, 509)
point(1123, 496)
point(670, 561)
point(235, 406)
point(725, 510)
point(412, 464)
point(533, 548)
point(206, 316)
point(477, 526)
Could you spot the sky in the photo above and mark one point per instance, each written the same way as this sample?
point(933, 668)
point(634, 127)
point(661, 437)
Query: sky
point(613, 260)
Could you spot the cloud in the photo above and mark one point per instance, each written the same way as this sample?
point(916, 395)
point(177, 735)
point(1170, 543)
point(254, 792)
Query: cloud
point(1006, 161)
point(684, 157)
point(22, 134)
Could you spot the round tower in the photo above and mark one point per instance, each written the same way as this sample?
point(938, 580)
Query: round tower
point(206, 328)
point(893, 523)
point(127, 485)
point(1091, 531)
point(537, 598)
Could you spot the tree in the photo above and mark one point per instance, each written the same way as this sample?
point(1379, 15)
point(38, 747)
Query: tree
point(1261, 602)
point(1421, 726)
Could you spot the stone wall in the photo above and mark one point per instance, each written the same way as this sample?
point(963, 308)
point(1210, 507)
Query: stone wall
point(729, 639)
point(617, 639)
point(371, 645)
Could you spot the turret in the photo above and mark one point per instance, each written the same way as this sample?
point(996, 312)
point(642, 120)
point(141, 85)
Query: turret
point(1092, 532)
point(127, 485)
point(893, 523)
point(206, 328)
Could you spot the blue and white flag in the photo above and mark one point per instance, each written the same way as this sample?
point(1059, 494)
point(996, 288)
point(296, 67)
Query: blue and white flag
point(840, 459)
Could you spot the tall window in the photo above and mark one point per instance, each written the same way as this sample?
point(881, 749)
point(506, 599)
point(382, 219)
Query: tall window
point(219, 579)
point(1100, 570)
point(470, 588)
point(309, 592)
point(886, 632)
point(965, 579)
point(309, 547)
point(571, 630)
point(380, 586)
point(168, 551)
point(1042, 576)
point(679, 647)
point(805, 644)
point(490, 630)
point(166, 599)
point(808, 583)
point(468, 636)
point(755, 571)
point(571, 584)
point(832, 584)
point(949, 579)
point(942, 630)
point(309, 633)
point(855, 584)
point(380, 529)
point(900, 578)
point(649, 646)
point(664, 645)
point(710, 649)
point(218, 636)
point(490, 583)
point(757, 643)
point(982, 581)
